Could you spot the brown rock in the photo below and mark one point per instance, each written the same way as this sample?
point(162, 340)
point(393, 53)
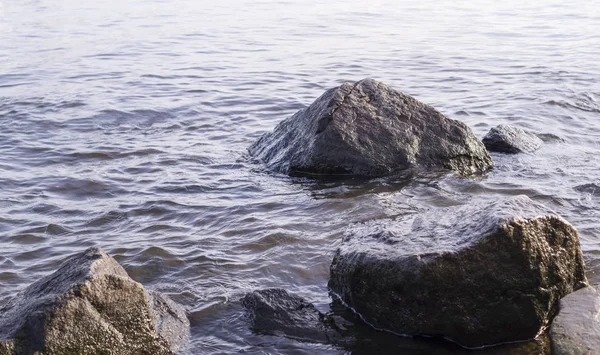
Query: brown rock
point(91, 306)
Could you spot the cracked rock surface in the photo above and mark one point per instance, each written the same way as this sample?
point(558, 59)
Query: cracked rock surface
point(478, 274)
point(91, 306)
point(369, 129)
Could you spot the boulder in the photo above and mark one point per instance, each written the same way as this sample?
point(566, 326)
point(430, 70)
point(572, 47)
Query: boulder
point(576, 328)
point(91, 306)
point(369, 129)
point(479, 274)
point(277, 312)
point(511, 140)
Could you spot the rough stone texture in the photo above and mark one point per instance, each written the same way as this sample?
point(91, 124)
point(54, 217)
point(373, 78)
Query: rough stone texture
point(512, 140)
point(576, 329)
point(366, 128)
point(277, 312)
point(479, 274)
point(91, 306)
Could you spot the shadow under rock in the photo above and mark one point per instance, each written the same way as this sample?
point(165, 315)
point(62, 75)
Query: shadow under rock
point(361, 339)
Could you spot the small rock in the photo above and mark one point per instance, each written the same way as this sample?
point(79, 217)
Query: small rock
point(479, 274)
point(277, 312)
point(592, 189)
point(550, 138)
point(91, 306)
point(512, 140)
point(576, 329)
point(369, 129)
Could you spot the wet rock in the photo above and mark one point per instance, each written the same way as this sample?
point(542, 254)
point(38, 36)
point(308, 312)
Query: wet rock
point(512, 140)
point(592, 189)
point(576, 329)
point(479, 274)
point(369, 129)
point(277, 312)
point(550, 138)
point(91, 306)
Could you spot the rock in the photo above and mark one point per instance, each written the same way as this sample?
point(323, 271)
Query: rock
point(592, 189)
point(512, 140)
point(277, 312)
point(576, 328)
point(550, 138)
point(479, 274)
point(369, 129)
point(91, 306)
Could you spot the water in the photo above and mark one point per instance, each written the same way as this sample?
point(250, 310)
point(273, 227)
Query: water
point(124, 125)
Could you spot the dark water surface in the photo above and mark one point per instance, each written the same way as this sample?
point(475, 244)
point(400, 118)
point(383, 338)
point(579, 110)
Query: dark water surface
point(124, 125)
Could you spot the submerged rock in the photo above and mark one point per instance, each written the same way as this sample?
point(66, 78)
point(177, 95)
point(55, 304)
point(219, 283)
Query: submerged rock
point(91, 306)
point(478, 275)
point(576, 329)
point(550, 138)
point(367, 128)
point(512, 140)
point(277, 312)
point(592, 189)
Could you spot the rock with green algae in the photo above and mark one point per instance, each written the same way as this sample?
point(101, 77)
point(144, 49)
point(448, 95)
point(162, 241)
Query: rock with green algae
point(91, 306)
point(478, 275)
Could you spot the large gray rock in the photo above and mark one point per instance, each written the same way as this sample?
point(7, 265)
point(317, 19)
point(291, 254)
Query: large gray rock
point(277, 312)
point(576, 329)
point(478, 275)
point(91, 306)
point(367, 128)
point(511, 140)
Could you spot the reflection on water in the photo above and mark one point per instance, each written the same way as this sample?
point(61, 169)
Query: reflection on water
point(125, 125)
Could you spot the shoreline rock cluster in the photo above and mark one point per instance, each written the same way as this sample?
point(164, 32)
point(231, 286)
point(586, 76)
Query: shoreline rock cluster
point(482, 274)
point(479, 275)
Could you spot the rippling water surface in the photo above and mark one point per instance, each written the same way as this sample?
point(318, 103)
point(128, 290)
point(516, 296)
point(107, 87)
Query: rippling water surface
point(124, 124)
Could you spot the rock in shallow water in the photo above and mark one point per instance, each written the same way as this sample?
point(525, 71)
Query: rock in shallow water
point(91, 306)
point(277, 312)
point(512, 140)
point(576, 329)
point(478, 275)
point(366, 128)
point(592, 189)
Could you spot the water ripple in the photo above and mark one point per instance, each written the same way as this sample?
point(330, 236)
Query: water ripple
point(127, 127)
